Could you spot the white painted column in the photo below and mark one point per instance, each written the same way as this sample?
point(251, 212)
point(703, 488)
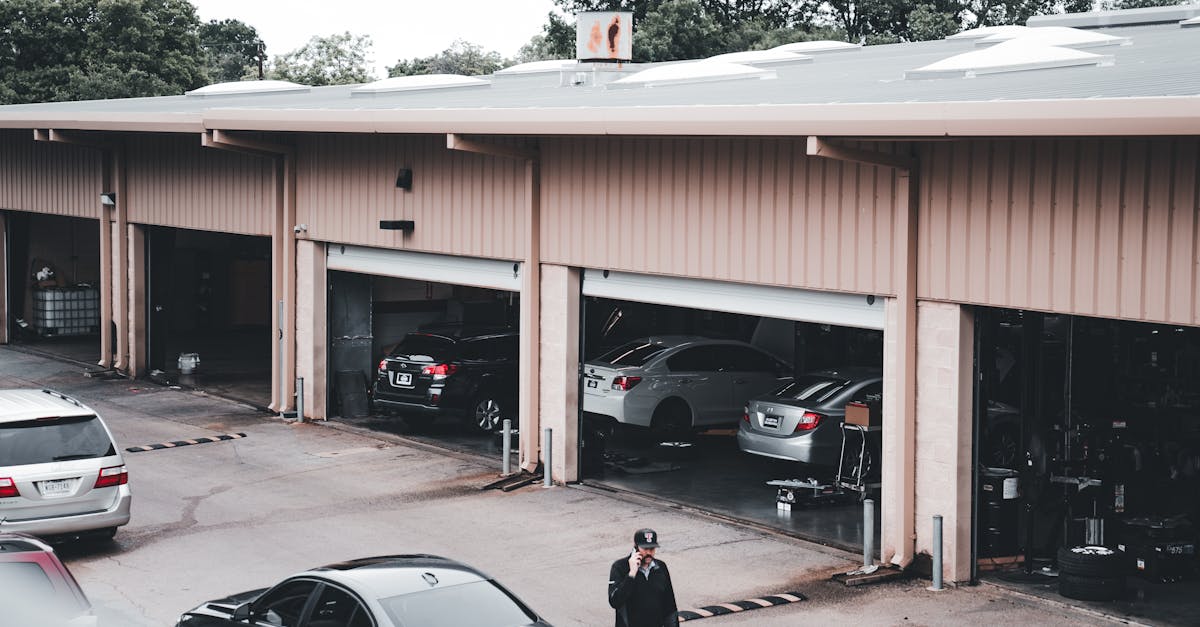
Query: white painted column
point(560, 367)
point(311, 326)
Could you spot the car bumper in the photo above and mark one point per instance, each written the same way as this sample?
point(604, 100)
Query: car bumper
point(115, 516)
point(804, 449)
point(615, 408)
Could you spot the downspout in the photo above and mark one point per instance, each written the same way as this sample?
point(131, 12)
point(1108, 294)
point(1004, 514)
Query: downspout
point(283, 257)
point(900, 471)
point(529, 420)
point(109, 156)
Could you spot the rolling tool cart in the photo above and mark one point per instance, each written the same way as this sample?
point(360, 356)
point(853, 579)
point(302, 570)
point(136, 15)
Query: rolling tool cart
point(856, 465)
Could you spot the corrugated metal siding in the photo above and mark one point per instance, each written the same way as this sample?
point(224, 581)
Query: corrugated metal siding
point(48, 178)
point(1095, 227)
point(753, 210)
point(462, 203)
point(174, 181)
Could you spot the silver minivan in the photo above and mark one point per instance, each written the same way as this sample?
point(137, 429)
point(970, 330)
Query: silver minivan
point(60, 471)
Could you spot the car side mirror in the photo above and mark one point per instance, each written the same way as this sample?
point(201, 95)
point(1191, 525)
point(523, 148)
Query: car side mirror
point(241, 612)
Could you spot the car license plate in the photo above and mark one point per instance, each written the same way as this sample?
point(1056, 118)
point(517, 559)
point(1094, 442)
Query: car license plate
point(592, 383)
point(770, 421)
point(402, 379)
point(56, 487)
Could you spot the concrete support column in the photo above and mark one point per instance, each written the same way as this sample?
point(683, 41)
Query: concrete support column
point(945, 364)
point(3, 280)
point(137, 300)
point(312, 292)
point(121, 270)
point(529, 395)
point(560, 367)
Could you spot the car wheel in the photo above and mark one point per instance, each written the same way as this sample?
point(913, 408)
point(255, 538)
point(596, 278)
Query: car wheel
point(671, 421)
point(1002, 447)
point(487, 412)
point(1091, 561)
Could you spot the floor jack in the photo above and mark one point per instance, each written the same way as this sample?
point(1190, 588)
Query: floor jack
point(794, 491)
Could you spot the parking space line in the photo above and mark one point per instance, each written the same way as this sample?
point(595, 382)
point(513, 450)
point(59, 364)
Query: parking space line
point(721, 609)
point(178, 443)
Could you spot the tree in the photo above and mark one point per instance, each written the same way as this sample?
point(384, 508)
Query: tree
point(56, 50)
point(926, 23)
point(662, 37)
point(556, 41)
point(233, 50)
point(334, 60)
point(460, 58)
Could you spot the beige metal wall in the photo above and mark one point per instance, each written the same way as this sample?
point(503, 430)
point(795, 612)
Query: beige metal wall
point(1103, 227)
point(462, 203)
point(174, 181)
point(753, 210)
point(48, 178)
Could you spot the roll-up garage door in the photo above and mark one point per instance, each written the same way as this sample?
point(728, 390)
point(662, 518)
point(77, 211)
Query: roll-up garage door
point(847, 310)
point(491, 273)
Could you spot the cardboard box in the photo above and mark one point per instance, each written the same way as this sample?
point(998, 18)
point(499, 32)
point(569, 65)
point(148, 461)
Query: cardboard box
point(864, 414)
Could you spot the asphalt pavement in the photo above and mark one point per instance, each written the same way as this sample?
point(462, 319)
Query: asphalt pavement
point(224, 516)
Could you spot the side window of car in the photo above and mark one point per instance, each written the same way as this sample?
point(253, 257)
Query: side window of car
point(871, 393)
point(474, 350)
point(746, 359)
point(338, 608)
point(694, 359)
point(282, 605)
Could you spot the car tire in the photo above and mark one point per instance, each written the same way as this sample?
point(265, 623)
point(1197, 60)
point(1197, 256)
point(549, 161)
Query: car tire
point(1003, 447)
point(672, 420)
point(487, 413)
point(1091, 561)
point(1091, 588)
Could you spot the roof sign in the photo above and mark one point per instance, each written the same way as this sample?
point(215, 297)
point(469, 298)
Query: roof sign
point(690, 73)
point(240, 88)
point(1010, 56)
point(1057, 36)
point(760, 57)
point(813, 47)
point(604, 36)
point(420, 82)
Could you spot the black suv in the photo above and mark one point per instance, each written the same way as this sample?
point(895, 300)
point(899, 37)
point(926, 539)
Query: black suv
point(451, 370)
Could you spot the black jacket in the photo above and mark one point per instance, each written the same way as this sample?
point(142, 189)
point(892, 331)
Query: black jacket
point(642, 601)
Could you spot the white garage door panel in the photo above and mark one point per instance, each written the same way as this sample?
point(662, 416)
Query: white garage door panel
point(847, 310)
point(403, 264)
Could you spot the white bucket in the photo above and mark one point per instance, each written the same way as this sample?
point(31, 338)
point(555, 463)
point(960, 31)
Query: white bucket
point(188, 362)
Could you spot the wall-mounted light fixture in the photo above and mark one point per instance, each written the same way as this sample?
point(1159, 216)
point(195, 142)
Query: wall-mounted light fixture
point(404, 179)
point(108, 199)
point(398, 225)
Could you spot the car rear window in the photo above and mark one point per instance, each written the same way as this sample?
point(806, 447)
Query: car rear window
point(417, 344)
point(62, 439)
point(812, 389)
point(480, 604)
point(631, 354)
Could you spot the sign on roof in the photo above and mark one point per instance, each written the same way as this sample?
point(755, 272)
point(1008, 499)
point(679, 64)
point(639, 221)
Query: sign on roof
point(604, 36)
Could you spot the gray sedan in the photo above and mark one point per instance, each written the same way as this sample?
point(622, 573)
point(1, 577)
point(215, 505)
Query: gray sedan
point(802, 420)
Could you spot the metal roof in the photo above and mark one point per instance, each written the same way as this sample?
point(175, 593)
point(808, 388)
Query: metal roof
point(1160, 70)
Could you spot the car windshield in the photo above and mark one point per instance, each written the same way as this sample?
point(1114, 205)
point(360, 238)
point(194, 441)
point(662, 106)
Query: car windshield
point(631, 354)
point(432, 346)
point(53, 440)
point(26, 585)
point(480, 604)
point(812, 389)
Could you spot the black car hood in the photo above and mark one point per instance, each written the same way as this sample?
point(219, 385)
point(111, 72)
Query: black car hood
point(224, 606)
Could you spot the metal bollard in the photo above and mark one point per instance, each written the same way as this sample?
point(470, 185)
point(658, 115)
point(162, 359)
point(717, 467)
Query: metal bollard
point(299, 399)
point(506, 437)
point(547, 455)
point(937, 553)
point(868, 533)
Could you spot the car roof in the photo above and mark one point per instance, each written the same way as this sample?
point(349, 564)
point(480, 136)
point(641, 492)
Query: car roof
point(460, 331)
point(30, 404)
point(672, 341)
point(12, 543)
point(853, 373)
point(391, 575)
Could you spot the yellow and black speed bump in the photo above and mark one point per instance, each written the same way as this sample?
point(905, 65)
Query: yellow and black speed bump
point(178, 443)
point(721, 609)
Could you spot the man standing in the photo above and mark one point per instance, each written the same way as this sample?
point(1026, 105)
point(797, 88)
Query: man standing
point(639, 586)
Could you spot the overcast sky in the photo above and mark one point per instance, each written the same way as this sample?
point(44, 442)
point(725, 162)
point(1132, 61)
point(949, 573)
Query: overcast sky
point(399, 29)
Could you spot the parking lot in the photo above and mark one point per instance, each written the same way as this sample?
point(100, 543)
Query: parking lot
point(221, 517)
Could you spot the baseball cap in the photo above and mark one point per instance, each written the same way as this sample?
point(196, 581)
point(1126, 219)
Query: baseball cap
point(645, 539)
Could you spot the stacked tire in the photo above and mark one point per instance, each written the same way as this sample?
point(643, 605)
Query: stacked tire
point(1091, 573)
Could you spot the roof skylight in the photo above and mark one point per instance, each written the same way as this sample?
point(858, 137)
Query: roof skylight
point(237, 88)
point(813, 47)
point(690, 73)
point(1192, 23)
point(1057, 36)
point(420, 82)
point(538, 67)
point(760, 57)
point(1010, 56)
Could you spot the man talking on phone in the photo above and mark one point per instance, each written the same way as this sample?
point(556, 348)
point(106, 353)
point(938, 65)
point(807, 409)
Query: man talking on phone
point(639, 586)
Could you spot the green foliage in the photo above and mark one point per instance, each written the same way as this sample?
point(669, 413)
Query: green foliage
point(460, 58)
point(338, 59)
point(557, 41)
point(661, 37)
point(58, 50)
point(233, 50)
point(926, 23)
point(1144, 4)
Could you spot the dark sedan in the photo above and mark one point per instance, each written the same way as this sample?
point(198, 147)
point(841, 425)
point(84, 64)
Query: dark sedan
point(388, 591)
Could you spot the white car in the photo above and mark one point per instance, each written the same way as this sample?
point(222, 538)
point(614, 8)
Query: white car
point(60, 471)
point(676, 383)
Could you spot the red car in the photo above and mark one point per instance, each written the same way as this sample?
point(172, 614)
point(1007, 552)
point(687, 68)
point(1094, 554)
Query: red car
point(37, 587)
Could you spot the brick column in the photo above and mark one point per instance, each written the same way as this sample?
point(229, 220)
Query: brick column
point(559, 349)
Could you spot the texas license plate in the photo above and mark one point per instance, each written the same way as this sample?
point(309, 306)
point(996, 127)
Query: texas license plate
point(402, 379)
point(56, 487)
point(770, 421)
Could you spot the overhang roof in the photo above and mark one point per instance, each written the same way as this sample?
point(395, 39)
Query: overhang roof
point(1153, 88)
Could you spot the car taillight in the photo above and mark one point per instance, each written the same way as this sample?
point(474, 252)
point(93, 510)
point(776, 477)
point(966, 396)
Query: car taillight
point(8, 487)
point(111, 476)
point(382, 366)
point(625, 383)
point(440, 371)
point(808, 422)
point(746, 414)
